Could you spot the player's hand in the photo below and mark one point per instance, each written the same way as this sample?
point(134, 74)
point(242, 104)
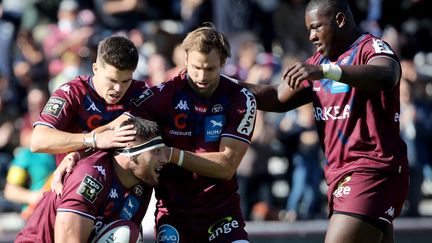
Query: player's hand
point(115, 138)
point(296, 73)
point(64, 167)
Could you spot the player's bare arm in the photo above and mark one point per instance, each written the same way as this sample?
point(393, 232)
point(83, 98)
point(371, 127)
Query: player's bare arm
point(63, 142)
point(71, 227)
point(278, 98)
point(221, 165)
point(381, 73)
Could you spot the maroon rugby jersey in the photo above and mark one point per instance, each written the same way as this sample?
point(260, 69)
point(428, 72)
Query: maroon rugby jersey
point(358, 129)
point(76, 107)
point(197, 124)
point(92, 190)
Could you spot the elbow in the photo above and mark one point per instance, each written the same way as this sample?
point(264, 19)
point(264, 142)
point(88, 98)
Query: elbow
point(227, 173)
point(35, 146)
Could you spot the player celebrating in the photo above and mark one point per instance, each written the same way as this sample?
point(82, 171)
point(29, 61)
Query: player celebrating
point(87, 102)
point(103, 187)
point(353, 82)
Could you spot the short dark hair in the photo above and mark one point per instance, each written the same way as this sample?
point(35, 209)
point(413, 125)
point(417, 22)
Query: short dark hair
point(206, 38)
point(145, 129)
point(330, 7)
point(119, 52)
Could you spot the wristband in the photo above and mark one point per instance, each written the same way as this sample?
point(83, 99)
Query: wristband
point(90, 142)
point(181, 157)
point(332, 71)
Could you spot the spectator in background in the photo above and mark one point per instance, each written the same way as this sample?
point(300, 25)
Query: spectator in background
point(253, 176)
point(304, 199)
point(29, 172)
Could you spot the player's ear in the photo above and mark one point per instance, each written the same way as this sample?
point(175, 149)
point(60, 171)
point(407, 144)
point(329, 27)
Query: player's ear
point(340, 19)
point(94, 68)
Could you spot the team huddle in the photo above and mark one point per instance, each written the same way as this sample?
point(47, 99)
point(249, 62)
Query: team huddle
point(117, 140)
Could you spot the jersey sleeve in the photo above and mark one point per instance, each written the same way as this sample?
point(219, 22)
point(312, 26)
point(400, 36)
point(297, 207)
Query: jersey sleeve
point(241, 116)
point(152, 100)
point(61, 107)
point(376, 47)
point(85, 190)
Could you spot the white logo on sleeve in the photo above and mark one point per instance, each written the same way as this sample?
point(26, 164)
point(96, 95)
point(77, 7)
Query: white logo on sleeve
point(381, 47)
point(247, 123)
point(390, 212)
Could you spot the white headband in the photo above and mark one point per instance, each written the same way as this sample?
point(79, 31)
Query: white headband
point(156, 142)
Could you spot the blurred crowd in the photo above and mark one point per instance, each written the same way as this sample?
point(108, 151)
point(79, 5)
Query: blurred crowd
point(45, 43)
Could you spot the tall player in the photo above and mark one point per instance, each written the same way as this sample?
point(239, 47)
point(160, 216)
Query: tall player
point(87, 102)
point(104, 187)
point(353, 82)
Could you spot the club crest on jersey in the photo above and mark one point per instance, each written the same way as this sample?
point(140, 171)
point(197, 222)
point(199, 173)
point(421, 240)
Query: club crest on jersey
point(213, 127)
point(144, 96)
point(217, 108)
point(89, 188)
point(138, 190)
point(54, 106)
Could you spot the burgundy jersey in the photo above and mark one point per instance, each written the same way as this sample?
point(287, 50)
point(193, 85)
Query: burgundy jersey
point(358, 129)
point(76, 107)
point(91, 190)
point(196, 124)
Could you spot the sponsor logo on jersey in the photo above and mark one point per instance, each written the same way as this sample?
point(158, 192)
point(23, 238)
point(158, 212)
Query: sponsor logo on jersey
point(54, 106)
point(93, 121)
point(331, 113)
point(200, 109)
point(213, 127)
point(223, 226)
point(342, 190)
point(180, 121)
point(182, 105)
point(167, 234)
point(247, 123)
point(89, 188)
point(115, 108)
point(217, 108)
point(381, 47)
point(180, 133)
point(338, 87)
point(130, 207)
point(144, 96)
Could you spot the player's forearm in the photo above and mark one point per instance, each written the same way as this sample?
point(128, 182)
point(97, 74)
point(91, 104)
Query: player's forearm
point(17, 194)
point(215, 164)
point(371, 77)
point(47, 140)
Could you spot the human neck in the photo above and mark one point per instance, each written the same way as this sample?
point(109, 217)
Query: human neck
point(125, 176)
